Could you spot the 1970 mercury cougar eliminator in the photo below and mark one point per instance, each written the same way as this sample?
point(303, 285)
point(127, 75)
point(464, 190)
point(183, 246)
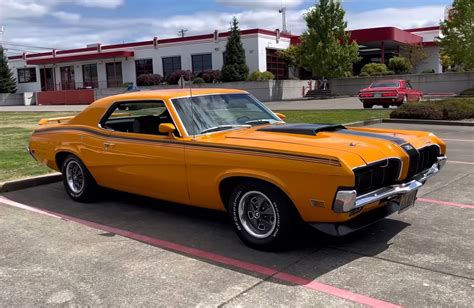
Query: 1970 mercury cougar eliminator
point(222, 149)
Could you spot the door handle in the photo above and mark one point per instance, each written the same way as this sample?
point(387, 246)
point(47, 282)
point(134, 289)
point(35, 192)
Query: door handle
point(107, 145)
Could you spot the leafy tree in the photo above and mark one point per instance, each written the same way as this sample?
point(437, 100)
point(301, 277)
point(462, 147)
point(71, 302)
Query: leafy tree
point(290, 57)
point(326, 49)
point(414, 53)
point(400, 65)
point(7, 80)
point(235, 68)
point(458, 34)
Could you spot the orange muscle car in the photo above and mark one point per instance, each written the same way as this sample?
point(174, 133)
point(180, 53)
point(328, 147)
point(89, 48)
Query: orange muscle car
point(223, 149)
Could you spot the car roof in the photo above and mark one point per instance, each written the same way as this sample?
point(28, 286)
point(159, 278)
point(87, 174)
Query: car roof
point(384, 80)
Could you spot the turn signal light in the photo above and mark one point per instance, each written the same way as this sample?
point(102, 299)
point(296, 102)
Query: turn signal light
point(391, 94)
point(366, 94)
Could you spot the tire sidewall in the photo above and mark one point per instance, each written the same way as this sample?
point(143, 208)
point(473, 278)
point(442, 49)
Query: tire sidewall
point(86, 193)
point(281, 231)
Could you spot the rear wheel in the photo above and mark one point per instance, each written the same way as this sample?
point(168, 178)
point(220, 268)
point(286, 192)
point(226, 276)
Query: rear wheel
point(367, 105)
point(386, 106)
point(262, 216)
point(77, 180)
point(405, 100)
point(418, 99)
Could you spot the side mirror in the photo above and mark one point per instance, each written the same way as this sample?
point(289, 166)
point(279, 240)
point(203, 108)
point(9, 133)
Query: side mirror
point(167, 128)
point(280, 115)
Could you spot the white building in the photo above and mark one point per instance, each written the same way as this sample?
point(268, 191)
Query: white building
point(104, 66)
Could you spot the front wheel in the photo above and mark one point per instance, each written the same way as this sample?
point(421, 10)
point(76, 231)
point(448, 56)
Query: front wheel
point(262, 216)
point(77, 180)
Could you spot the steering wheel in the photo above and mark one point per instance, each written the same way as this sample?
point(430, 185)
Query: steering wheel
point(242, 119)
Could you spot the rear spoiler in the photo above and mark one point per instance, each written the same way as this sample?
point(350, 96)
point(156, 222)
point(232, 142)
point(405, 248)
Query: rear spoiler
point(54, 120)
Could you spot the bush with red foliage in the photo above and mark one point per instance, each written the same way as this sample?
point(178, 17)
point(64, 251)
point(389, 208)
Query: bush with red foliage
point(149, 80)
point(211, 76)
point(174, 77)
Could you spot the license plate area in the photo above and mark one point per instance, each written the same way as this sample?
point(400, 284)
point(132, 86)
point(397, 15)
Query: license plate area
point(377, 95)
point(407, 201)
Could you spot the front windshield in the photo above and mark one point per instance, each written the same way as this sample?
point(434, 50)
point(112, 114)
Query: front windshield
point(385, 84)
point(201, 114)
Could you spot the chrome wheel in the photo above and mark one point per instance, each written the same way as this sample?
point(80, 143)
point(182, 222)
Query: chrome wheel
point(257, 214)
point(74, 176)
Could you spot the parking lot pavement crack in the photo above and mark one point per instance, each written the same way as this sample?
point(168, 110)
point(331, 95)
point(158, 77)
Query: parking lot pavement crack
point(267, 278)
point(448, 183)
point(402, 263)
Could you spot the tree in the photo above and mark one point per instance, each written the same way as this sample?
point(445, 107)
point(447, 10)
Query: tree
point(235, 68)
point(457, 40)
point(290, 57)
point(325, 47)
point(400, 65)
point(414, 53)
point(7, 80)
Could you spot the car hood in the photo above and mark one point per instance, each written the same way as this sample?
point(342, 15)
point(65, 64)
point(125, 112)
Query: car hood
point(316, 139)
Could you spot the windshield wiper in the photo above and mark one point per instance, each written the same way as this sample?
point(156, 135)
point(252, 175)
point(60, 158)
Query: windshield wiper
point(221, 127)
point(260, 121)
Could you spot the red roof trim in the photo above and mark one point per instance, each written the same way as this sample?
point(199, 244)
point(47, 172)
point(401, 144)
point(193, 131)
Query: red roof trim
point(161, 41)
point(430, 44)
point(423, 29)
point(384, 34)
point(84, 57)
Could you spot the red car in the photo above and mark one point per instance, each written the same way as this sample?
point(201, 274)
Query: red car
point(389, 93)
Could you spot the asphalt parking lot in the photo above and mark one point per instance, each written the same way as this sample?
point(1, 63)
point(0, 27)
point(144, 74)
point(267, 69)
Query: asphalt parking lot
point(128, 250)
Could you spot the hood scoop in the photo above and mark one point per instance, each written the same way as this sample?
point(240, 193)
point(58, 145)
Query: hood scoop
point(301, 129)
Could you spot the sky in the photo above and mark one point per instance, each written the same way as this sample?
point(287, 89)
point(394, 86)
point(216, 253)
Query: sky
point(38, 25)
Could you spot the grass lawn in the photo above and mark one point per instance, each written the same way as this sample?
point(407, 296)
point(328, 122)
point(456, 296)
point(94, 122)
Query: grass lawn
point(16, 128)
point(15, 131)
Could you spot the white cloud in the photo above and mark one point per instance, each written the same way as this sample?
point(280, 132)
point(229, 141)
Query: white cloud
point(108, 4)
point(259, 4)
point(66, 17)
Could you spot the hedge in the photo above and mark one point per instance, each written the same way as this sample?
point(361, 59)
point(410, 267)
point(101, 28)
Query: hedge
point(450, 109)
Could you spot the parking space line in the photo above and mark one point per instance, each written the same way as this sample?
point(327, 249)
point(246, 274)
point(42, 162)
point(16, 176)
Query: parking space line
point(216, 258)
point(460, 162)
point(446, 203)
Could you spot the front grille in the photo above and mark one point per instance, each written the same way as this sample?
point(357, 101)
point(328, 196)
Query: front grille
point(377, 175)
point(421, 159)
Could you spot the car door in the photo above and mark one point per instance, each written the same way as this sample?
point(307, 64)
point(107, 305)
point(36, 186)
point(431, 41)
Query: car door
point(411, 93)
point(137, 158)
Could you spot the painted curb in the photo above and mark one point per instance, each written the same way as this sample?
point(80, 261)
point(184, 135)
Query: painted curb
point(30, 182)
point(364, 123)
point(429, 122)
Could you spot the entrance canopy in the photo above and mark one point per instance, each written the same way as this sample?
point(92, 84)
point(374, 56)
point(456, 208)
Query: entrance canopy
point(83, 57)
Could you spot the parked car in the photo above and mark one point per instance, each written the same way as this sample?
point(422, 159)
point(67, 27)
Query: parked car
point(389, 93)
point(223, 149)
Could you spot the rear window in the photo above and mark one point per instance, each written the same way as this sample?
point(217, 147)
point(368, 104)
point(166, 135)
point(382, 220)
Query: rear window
point(385, 84)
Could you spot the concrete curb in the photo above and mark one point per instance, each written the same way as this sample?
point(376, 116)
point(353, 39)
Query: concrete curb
point(429, 122)
point(30, 182)
point(364, 123)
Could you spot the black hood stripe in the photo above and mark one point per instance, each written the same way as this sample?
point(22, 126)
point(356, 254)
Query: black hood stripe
point(397, 140)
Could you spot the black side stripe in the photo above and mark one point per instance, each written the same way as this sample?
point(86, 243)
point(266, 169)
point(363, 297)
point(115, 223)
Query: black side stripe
point(229, 149)
point(397, 140)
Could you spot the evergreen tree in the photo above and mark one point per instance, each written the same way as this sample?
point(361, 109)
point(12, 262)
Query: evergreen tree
point(235, 67)
point(458, 34)
point(7, 80)
point(325, 47)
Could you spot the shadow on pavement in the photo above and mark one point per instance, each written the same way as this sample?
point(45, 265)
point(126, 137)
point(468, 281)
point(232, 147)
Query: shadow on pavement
point(206, 229)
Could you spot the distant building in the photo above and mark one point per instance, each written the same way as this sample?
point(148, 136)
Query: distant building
point(106, 66)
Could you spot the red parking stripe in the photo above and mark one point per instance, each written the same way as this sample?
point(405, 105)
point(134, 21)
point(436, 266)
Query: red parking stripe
point(460, 162)
point(216, 258)
point(461, 205)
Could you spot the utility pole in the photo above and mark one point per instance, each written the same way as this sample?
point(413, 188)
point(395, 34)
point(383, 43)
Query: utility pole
point(282, 11)
point(182, 32)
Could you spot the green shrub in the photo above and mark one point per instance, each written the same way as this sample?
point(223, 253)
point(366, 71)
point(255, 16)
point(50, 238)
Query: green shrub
point(400, 65)
point(450, 109)
point(261, 76)
point(364, 74)
point(431, 71)
point(467, 92)
point(198, 80)
point(374, 69)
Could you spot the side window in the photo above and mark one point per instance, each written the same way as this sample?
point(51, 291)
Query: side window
point(408, 85)
point(139, 117)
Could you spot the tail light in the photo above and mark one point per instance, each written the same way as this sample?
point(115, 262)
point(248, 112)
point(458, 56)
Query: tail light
point(389, 94)
point(366, 94)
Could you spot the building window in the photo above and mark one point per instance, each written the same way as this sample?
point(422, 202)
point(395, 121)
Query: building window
point(143, 66)
point(26, 75)
point(89, 75)
point(67, 77)
point(114, 74)
point(171, 64)
point(201, 63)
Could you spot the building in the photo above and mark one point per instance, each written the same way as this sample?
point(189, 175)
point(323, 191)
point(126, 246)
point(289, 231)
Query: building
point(106, 66)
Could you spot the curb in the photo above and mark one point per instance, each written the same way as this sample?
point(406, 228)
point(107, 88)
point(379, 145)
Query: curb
point(429, 122)
point(364, 123)
point(30, 182)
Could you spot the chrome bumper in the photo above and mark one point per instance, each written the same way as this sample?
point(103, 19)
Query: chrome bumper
point(347, 200)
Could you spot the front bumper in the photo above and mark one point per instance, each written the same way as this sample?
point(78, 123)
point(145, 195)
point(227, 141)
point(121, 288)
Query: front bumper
point(347, 200)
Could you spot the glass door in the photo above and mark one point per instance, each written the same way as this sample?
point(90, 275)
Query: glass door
point(67, 78)
point(114, 74)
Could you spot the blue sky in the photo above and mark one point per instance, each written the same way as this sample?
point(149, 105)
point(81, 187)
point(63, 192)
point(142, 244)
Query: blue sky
point(62, 24)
